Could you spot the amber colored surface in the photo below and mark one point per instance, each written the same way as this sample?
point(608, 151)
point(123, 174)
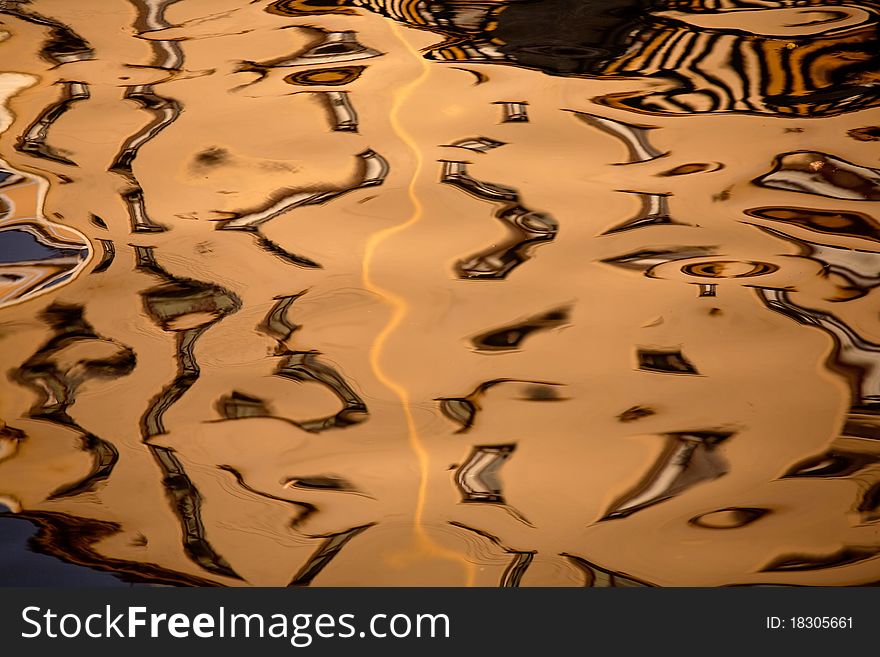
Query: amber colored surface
point(402, 293)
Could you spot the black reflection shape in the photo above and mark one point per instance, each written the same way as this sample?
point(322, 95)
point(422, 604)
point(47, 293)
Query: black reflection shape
point(843, 557)
point(829, 222)
point(665, 361)
point(301, 367)
point(306, 8)
point(137, 213)
point(597, 577)
point(71, 539)
point(510, 337)
point(277, 323)
point(519, 563)
point(343, 116)
point(456, 174)
point(180, 298)
point(513, 574)
point(238, 405)
point(187, 503)
point(62, 46)
point(477, 144)
point(636, 413)
point(690, 458)
point(33, 140)
point(304, 509)
point(188, 308)
point(108, 253)
point(730, 518)
point(334, 47)
point(513, 111)
point(8, 433)
point(321, 482)
point(853, 357)
point(708, 289)
point(634, 137)
point(868, 133)
point(527, 34)
point(654, 212)
point(56, 385)
point(869, 505)
point(463, 410)
point(304, 366)
point(527, 228)
point(860, 268)
point(719, 269)
point(709, 70)
point(478, 477)
point(460, 410)
point(690, 168)
point(324, 555)
point(646, 259)
point(164, 110)
point(326, 48)
point(714, 71)
point(821, 174)
point(480, 77)
point(373, 170)
point(267, 245)
point(866, 427)
point(167, 53)
point(326, 76)
point(833, 464)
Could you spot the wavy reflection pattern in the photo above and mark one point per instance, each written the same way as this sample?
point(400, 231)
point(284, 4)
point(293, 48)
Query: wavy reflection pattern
point(379, 292)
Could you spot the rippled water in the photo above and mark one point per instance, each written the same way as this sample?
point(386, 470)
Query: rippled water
point(382, 292)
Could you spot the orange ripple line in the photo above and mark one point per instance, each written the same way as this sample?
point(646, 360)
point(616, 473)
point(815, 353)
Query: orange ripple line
point(399, 309)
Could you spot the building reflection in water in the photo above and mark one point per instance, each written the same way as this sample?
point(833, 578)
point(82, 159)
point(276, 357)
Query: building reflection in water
point(499, 293)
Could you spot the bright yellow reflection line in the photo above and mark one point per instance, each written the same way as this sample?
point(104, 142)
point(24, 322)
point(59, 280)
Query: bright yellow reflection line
point(399, 309)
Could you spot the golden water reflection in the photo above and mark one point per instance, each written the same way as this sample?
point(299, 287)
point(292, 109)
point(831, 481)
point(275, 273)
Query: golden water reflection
point(401, 292)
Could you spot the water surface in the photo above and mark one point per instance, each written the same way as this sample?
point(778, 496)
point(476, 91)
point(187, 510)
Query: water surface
point(404, 292)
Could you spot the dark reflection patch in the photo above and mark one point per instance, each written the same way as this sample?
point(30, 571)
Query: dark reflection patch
point(326, 76)
point(820, 174)
point(665, 361)
point(847, 555)
point(478, 477)
point(721, 269)
point(187, 504)
point(73, 540)
point(56, 381)
point(848, 223)
point(331, 546)
point(238, 405)
point(595, 576)
point(645, 259)
point(688, 169)
point(833, 464)
point(690, 458)
point(306, 7)
point(636, 413)
point(869, 505)
point(463, 410)
point(510, 337)
point(320, 482)
point(732, 518)
point(868, 133)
